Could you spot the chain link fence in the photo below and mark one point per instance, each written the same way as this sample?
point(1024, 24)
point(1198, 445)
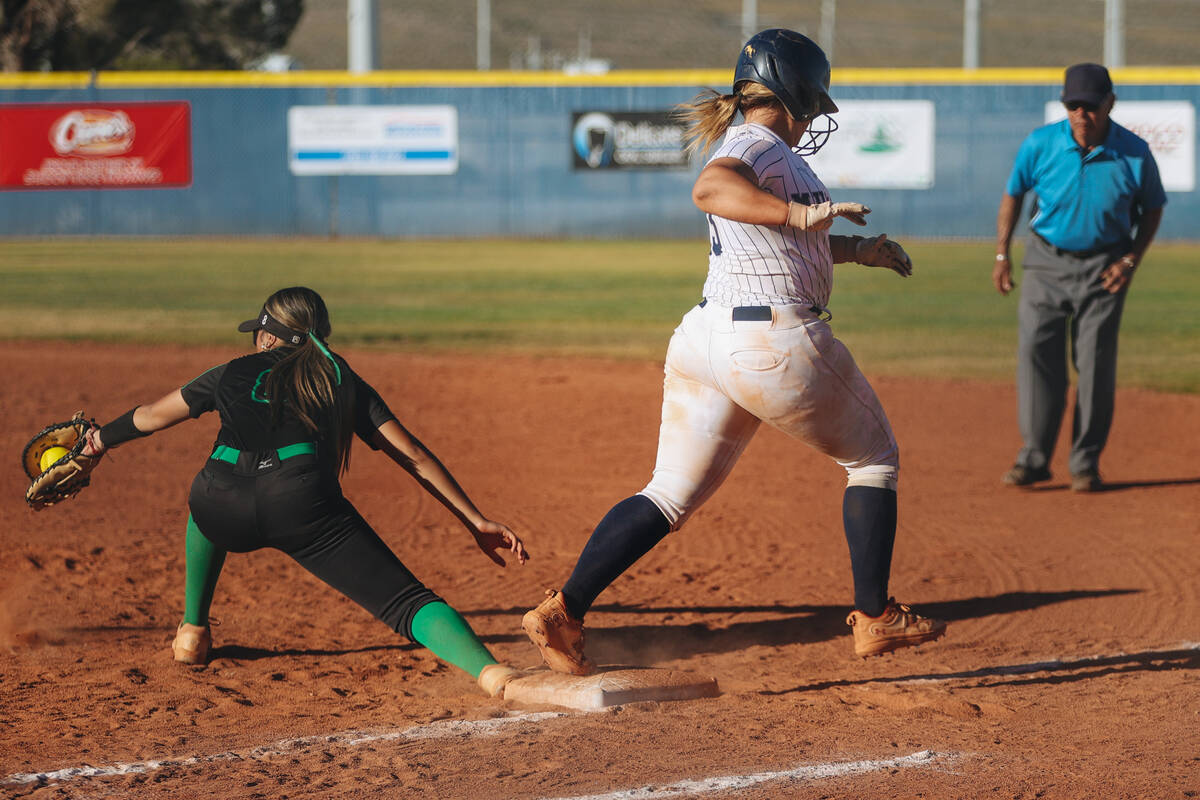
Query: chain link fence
point(705, 34)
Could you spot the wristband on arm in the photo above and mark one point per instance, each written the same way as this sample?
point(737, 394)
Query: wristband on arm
point(121, 430)
point(843, 249)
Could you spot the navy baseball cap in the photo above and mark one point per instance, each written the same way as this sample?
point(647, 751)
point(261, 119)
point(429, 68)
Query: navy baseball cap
point(1086, 83)
point(266, 322)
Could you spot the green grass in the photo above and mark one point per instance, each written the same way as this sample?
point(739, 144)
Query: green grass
point(614, 299)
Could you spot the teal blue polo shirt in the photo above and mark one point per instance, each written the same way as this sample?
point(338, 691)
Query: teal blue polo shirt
point(1086, 201)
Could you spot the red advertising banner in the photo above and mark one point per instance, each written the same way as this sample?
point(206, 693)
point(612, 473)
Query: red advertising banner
point(95, 145)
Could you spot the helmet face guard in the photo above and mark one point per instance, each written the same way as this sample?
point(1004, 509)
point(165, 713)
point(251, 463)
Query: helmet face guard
point(796, 71)
point(814, 140)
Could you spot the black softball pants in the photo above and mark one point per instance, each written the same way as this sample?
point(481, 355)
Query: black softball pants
point(297, 506)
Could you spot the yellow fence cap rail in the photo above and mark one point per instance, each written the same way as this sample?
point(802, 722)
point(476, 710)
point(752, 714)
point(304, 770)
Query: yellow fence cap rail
point(908, 76)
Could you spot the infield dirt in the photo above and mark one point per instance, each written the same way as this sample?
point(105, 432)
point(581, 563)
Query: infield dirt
point(1071, 668)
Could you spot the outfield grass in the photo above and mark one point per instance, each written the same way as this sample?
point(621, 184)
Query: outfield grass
point(615, 299)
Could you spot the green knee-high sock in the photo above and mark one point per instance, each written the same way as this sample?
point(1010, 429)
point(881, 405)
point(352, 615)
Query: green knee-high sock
point(204, 561)
point(443, 630)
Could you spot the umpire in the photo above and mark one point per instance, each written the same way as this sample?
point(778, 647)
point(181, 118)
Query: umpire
point(1099, 200)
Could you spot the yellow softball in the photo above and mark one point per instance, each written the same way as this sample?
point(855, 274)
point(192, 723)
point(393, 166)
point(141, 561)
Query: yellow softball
point(51, 455)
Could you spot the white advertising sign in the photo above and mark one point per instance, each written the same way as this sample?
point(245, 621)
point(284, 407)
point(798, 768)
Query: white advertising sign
point(1170, 128)
point(373, 140)
point(879, 144)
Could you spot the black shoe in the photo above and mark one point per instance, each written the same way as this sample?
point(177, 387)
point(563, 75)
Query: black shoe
point(1024, 476)
point(1086, 481)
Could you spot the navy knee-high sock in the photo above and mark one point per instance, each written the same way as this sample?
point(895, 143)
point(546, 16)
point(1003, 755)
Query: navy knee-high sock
point(869, 516)
point(627, 532)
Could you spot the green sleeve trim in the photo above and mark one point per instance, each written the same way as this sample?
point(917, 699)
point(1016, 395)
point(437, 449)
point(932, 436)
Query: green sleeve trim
point(202, 374)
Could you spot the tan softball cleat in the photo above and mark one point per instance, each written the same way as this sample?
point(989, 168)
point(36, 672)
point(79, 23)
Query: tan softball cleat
point(191, 644)
point(558, 635)
point(494, 677)
point(898, 626)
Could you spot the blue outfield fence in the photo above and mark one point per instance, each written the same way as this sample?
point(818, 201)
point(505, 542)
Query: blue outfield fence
point(517, 171)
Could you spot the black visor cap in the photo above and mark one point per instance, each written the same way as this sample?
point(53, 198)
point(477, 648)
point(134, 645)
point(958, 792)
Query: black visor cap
point(264, 321)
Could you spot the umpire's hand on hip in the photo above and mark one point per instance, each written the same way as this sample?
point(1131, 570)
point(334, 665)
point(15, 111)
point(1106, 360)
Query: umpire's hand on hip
point(1119, 274)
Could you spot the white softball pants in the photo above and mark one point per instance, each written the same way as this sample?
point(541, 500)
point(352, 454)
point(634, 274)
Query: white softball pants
point(725, 376)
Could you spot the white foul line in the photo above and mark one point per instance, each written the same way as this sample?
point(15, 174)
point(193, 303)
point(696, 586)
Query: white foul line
point(494, 727)
point(807, 772)
point(435, 730)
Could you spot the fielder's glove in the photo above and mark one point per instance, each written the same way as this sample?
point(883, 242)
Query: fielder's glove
point(63, 478)
point(880, 251)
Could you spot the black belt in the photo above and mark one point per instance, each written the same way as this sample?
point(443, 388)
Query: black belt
point(1095, 251)
point(752, 313)
point(763, 313)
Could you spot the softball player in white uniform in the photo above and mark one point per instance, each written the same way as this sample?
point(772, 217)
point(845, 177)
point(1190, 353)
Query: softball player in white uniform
point(759, 348)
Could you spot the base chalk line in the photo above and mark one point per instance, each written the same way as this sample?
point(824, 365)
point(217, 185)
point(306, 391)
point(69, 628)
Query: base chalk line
point(442, 729)
point(493, 727)
point(804, 772)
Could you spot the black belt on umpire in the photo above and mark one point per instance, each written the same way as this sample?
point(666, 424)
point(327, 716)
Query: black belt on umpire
point(763, 313)
point(250, 462)
point(1095, 251)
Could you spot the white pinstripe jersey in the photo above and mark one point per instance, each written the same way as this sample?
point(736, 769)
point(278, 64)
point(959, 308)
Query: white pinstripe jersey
point(761, 265)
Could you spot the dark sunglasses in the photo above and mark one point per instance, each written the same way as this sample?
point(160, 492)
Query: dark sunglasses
point(1075, 105)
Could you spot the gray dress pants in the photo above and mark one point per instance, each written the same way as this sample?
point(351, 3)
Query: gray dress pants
point(1063, 304)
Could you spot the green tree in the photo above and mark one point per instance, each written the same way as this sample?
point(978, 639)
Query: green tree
point(142, 34)
point(32, 31)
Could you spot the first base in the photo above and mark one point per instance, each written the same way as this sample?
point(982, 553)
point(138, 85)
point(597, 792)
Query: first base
point(608, 686)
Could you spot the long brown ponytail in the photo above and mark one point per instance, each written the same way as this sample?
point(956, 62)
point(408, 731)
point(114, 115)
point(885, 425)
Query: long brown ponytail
point(710, 113)
point(304, 383)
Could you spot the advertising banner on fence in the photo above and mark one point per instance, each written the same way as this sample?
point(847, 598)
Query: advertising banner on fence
point(373, 140)
point(1169, 126)
point(95, 146)
point(627, 140)
point(879, 144)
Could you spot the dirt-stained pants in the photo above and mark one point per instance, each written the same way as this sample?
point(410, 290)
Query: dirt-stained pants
point(724, 376)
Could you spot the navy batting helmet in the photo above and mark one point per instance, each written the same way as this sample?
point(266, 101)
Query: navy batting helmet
point(796, 71)
point(792, 66)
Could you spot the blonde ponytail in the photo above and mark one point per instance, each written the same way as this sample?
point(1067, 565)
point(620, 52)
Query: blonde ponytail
point(710, 114)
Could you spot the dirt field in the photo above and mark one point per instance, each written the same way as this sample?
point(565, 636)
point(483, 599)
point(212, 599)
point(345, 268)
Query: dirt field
point(1071, 668)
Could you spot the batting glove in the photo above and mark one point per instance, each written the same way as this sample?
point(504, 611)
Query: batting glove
point(880, 251)
point(821, 216)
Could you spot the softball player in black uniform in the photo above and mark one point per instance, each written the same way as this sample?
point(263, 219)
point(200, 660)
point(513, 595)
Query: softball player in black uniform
point(288, 414)
point(759, 348)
